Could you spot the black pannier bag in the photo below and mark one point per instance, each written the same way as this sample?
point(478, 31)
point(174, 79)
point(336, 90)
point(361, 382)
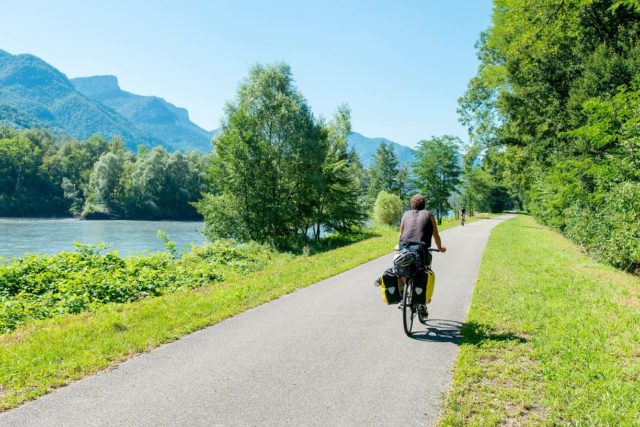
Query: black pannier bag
point(390, 287)
point(423, 284)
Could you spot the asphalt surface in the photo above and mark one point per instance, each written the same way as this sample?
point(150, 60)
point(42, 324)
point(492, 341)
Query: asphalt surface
point(329, 354)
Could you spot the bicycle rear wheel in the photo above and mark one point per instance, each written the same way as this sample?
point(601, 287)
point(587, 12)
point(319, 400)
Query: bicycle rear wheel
point(408, 311)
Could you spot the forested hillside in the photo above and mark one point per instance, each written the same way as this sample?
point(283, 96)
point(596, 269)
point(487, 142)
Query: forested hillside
point(555, 111)
point(33, 94)
point(95, 178)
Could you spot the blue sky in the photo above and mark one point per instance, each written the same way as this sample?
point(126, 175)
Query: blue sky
point(400, 65)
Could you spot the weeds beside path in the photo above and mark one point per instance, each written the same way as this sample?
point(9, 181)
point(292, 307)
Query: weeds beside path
point(552, 337)
point(42, 356)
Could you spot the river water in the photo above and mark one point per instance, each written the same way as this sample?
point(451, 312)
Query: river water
point(48, 236)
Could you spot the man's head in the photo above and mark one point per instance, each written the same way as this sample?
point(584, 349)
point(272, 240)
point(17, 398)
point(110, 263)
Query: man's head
point(417, 202)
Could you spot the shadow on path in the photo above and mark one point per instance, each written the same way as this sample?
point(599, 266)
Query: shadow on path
point(442, 330)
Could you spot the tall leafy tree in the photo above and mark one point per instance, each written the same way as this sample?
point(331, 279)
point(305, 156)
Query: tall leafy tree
point(340, 206)
point(437, 171)
point(384, 173)
point(267, 163)
point(105, 190)
point(26, 188)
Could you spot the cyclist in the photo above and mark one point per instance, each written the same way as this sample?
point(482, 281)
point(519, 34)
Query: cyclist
point(463, 215)
point(417, 227)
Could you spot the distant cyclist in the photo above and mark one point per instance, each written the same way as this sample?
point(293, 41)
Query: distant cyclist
point(463, 215)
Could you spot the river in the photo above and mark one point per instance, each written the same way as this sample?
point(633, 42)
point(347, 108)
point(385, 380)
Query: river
point(49, 236)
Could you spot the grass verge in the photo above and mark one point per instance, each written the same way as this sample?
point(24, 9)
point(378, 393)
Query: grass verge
point(44, 355)
point(552, 337)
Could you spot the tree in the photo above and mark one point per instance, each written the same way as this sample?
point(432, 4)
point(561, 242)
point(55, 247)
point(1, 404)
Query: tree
point(387, 209)
point(268, 162)
point(26, 188)
point(340, 206)
point(384, 173)
point(437, 171)
point(105, 186)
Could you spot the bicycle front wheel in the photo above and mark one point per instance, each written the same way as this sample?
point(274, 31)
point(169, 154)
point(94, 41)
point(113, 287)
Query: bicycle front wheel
point(408, 311)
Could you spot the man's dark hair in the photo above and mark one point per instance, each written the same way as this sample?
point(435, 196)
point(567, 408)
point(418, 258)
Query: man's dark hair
point(417, 202)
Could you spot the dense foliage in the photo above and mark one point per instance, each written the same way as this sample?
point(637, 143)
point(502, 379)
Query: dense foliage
point(43, 286)
point(387, 209)
point(437, 172)
point(384, 174)
point(95, 177)
point(556, 102)
point(278, 172)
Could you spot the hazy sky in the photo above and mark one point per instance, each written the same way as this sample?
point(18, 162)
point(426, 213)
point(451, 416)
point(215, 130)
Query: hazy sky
point(400, 65)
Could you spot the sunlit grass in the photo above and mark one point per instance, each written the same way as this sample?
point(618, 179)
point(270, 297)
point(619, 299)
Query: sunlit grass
point(552, 337)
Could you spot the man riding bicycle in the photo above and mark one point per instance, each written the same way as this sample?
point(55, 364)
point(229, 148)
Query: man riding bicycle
point(417, 227)
point(463, 215)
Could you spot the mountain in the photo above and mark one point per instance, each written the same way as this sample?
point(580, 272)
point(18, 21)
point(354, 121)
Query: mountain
point(35, 94)
point(366, 148)
point(155, 116)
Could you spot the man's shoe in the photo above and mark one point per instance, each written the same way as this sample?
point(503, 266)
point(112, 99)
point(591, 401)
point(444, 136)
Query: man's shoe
point(423, 313)
point(377, 282)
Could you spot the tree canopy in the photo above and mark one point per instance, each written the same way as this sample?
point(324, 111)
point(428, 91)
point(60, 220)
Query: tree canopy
point(39, 177)
point(278, 172)
point(556, 98)
point(437, 171)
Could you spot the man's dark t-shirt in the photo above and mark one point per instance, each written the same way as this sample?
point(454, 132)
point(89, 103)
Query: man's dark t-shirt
point(417, 227)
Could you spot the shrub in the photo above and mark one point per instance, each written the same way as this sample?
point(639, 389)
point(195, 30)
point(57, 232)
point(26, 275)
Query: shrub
point(387, 208)
point(41, 286)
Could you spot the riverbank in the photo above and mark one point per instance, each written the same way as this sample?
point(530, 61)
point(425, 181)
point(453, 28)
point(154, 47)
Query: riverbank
point(552, 337)
point(48, 354)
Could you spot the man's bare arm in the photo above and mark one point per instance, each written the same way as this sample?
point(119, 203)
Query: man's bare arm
point(400, 234)
point(436, 235)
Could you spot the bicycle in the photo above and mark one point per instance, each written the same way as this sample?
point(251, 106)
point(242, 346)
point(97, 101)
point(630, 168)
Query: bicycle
point(462, 219)
point(409, 311)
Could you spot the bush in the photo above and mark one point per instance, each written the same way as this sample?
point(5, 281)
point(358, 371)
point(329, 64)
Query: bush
point(610, 232)
point(42, 286)
point(387, 208)
point(594, 196)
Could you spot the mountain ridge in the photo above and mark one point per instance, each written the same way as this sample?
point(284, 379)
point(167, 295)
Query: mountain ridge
point(44, 97)
point(366, 148)
point(151, 114)
point(34, 94)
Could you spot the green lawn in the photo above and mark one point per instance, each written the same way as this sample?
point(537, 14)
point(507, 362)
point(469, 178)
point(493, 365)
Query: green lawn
point(44, 355)
point(552, 337)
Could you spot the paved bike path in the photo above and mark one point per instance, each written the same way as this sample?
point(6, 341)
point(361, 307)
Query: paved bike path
point(329, 354)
